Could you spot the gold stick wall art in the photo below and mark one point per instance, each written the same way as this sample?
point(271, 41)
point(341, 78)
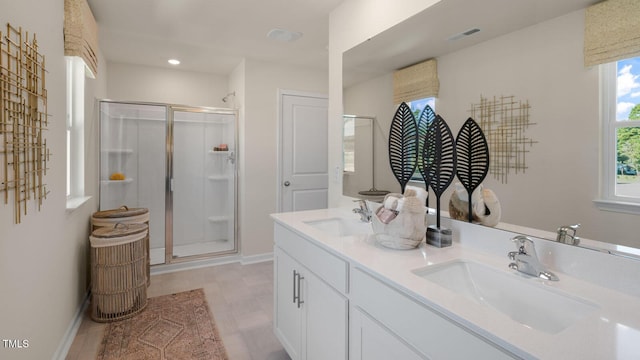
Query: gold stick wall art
point(504, 121)
point(23, 121)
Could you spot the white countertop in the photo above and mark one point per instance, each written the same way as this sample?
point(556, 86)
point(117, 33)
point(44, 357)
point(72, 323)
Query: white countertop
point(612, 331)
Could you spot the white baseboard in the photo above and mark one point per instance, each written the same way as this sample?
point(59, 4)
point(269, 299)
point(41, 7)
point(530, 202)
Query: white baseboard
point(72, 330)
point(253, 259)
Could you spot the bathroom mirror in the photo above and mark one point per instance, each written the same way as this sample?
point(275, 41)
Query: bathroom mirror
point(358, 144)
point(529, 50)
point(357, 149)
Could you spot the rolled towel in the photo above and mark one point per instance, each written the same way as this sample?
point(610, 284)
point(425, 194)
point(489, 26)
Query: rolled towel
point(391, 203)
point(418, 192)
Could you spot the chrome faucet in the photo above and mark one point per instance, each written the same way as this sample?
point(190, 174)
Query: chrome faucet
point(526, 260)
point(363, 210)
point(567, 234)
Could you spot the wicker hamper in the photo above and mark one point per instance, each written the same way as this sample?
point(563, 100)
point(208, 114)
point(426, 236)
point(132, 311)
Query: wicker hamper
point(125, 215)
point(118, 274)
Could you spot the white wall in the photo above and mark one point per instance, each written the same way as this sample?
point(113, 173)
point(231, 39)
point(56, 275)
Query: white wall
point(43, 260)
point(544, 65)
point(129, 82)
point(258, 141)
point(351, 23)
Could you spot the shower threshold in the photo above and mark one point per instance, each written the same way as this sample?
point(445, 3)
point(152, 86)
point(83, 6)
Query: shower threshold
point(210, 247)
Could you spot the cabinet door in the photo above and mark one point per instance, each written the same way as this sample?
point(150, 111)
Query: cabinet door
point(368, 340)
point(325, 320)
point(287, 315)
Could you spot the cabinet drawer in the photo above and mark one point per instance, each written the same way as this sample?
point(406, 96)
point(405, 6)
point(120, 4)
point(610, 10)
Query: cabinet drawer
point(428, 332)
point(368, 340)
point(325, 265)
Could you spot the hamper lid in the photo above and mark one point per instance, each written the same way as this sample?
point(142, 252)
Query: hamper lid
point(119, 230)
point(122, 211)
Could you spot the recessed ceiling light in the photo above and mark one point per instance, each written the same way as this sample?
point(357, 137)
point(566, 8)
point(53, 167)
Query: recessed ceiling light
point(284, 35)
point(174, 61)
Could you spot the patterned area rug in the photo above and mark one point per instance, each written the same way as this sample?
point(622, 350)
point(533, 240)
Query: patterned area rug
point(176, 326)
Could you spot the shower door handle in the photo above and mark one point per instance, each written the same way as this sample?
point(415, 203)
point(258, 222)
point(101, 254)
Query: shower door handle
point(172, 185)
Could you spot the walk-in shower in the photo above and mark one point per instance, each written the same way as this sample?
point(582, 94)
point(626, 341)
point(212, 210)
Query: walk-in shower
point(180, 163)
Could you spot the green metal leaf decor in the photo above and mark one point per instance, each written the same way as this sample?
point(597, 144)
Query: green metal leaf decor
point(473, 157)
point(426, 118)
point(439, 159)
point(403, 145)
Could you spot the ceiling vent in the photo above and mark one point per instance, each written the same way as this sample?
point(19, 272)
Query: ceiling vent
point(464, 34)
point(284, 35)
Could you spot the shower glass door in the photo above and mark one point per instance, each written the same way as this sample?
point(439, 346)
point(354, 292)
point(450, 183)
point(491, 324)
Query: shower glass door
point(132, 164)
point(203, 182)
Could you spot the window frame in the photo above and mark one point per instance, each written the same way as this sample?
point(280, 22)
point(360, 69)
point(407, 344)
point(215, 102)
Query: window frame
point(75, 120)
point(608, 200)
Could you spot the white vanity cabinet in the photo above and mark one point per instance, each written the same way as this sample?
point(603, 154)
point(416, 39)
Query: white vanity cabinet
point(287, 316)
point(310, 307)
point(326, 308)
point(408, 328)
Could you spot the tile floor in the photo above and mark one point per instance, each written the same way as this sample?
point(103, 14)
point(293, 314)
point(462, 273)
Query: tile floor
point(240, 298)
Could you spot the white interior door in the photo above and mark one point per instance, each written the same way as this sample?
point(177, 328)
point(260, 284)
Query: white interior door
point(304, 174)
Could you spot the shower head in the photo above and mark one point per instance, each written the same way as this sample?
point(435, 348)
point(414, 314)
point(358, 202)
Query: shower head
point(226, 97)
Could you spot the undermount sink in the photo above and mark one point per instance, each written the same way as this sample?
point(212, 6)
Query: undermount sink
point(341, 226)
point(522, 299)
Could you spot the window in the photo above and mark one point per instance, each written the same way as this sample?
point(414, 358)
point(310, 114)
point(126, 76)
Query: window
point(416, 107)
point(75, 131)
point(620, 83)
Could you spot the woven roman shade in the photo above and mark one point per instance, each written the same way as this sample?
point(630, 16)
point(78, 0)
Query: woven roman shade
point(612, 31)
point(415, 82)
point(81, 33)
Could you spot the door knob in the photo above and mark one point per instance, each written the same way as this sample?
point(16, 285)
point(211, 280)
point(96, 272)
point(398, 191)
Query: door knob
point(287, 183)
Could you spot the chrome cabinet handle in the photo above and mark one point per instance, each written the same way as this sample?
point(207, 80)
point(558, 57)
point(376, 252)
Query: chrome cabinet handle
point(295, 274)
point(299, 297)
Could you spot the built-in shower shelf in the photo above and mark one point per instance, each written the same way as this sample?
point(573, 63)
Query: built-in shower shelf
point(219, 177)
point(218, 218)
point(220, 152)
point(118, 151)
point(125, 181)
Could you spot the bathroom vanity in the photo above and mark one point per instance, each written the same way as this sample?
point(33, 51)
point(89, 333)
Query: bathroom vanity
point(338, 294)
